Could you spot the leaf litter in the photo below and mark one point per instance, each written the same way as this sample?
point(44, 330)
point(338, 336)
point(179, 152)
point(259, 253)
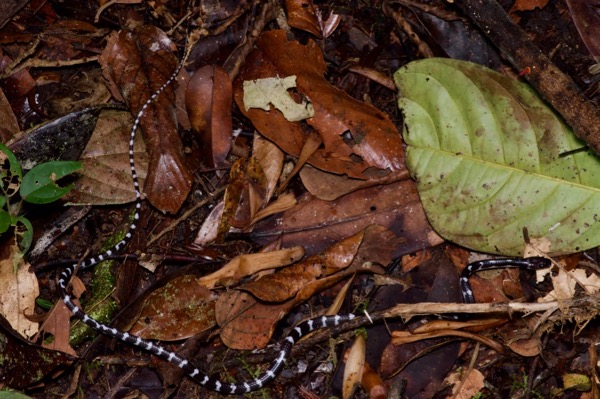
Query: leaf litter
point(359, 214)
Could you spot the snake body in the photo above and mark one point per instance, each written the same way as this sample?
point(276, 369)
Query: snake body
point(194, 372)
point(296, 333)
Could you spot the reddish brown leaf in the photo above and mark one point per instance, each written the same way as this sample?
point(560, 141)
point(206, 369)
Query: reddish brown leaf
point(586, 17)
point(286, 283)
point(358, 140)
point(315, 223)
point(329, 186)
point(245, 195)
point(528, 5)
point(136, 64)
point(208, 102)
point(176, 311)
point(249, 323)
point(246, 323)
point(301, 14)
point(246, 265)
point(24, 364)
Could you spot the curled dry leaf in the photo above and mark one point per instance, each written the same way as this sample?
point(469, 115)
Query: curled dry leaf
point(248, 322)
point(208, 102)
point(270, 158)
point(358, 139)
point(246, 265)
point(136, 64)
point(245, 194)
point(301, 14)
point(465, 386)
point(278, 287)
point(355, 366)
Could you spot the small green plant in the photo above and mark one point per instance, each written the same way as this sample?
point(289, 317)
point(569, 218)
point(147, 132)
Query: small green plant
point(38, 186)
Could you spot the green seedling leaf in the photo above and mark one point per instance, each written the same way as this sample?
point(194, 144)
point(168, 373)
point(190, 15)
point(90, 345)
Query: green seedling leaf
point(4, 221)
point(44, 303)
point(40, 183)
point(10, 173)
point(492, 160)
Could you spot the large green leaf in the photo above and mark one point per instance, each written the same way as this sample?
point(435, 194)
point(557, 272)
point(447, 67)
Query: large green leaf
point(485, 152)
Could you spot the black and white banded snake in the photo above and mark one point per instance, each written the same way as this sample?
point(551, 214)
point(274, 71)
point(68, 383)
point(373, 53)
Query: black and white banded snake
point(289, 341)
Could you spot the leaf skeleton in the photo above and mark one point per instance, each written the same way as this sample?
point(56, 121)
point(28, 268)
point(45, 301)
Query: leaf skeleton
point(288, 342)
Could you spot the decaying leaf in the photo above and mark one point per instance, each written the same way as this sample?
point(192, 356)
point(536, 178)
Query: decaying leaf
point(301, 14)
point(106, 177)
point(246, 265)
point(267, 92)
point(358, 140)
point(136, 64)
point(18, 291)
point(355, 365)
point(586, 18)
point(270, 158)
point(248, 322)
point(176, 311)
point(466, 386)
point(245, 195)
point(24, 364)
point(208, 100)
point(316, 224)
point(62, 139)
point(57, 323)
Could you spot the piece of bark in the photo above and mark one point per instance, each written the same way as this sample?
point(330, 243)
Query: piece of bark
point(554, 85)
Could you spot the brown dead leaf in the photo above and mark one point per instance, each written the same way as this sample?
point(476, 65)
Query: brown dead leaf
point(176, 311)
point(57, 324)
point(328, 186)
point(358, 140)
point(208, 102)
point(355, 365)
point(270, 159)
point(527, 347)
point(18, 290)
point(301, 14)
point(373, 383)
point(245, 194)
point(105, 177)
point(8, 120)
point(586, 18)
point(527, 5)
point(316, 224)
point(248, 322)
point(286, 283)
point(246, 265)
point(465, 387)
point(136, 63)
point(57, 320)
